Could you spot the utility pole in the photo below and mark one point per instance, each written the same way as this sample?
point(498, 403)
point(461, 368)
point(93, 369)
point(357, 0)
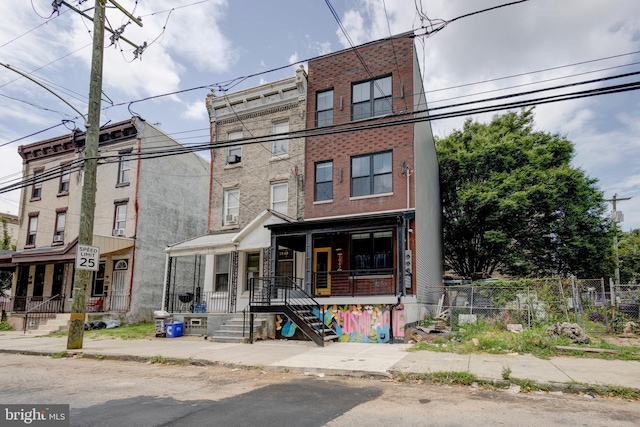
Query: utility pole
point(617, 217)
point(82, 278)
point(87, 208)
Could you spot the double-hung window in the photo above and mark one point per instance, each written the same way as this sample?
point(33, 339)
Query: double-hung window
point(33, 228)
point(36, 193)
point(371, 98)
point(124, 167)
point(120, 219)
point(65, 175)
point(371, 174)
point(234, 154)
point(231, 206)
point(222, 273)
point(324, 108)
point(324, 181)
point(280, 147)
point(61, 218)
point(279, 196)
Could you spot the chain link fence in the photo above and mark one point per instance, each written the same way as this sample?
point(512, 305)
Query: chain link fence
point(598, 307)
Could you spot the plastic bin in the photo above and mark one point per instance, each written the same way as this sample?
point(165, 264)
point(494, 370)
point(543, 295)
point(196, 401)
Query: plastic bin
point(174, 329)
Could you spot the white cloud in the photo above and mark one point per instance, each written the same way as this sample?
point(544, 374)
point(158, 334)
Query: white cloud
point(293, 58)
point(196, 112)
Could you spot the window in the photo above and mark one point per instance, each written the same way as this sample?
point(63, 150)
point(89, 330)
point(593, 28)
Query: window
point(65, 174)
point(120, 220)
point(324, 181)
point(279, 193)
point(231, 206)
point(37, 184)
point(253, 268)
point(97, 289)
point(222, 273)
point(324, 108)
point(33, 227)
point(371, 174)
point(38, 282)
point(234, 154)
point(60, 222)
point(280, 146)
point(124, 168)
point(371, 98)
point(372, 251)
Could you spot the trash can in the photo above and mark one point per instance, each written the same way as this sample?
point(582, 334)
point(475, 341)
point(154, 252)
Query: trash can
point(174, 329)
point(162, 318)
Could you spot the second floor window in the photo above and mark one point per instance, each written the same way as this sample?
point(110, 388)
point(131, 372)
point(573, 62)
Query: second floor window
point(371, 174)
point(281, 146)
point(61, 218)
point(231, 206)
point(33, 228)
point(324, 108)
point(65, 176)
point(37, 184)
point(234, 154)
point(120, 220)
point(124, 169)
point(371, 98)
point(324, 181)
point(279, 197)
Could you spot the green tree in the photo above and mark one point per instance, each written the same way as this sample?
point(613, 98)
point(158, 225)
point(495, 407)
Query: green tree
point(513, 204)
point(629, 255)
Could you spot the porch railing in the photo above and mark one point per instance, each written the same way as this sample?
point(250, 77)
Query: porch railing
point(43, 310)
point(381, 281)
point(286, 295)
point(198, 302)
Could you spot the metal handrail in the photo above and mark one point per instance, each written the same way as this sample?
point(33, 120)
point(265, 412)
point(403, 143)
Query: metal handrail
point(32, 309)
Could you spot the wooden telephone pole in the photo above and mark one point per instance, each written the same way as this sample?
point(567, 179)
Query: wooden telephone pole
point(616, 216)
point(82, 278)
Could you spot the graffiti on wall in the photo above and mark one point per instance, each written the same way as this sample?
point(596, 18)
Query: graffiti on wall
point(353, 323)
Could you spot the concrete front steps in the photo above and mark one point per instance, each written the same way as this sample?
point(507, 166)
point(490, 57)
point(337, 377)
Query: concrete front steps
point(230, 331)
point(48, 325)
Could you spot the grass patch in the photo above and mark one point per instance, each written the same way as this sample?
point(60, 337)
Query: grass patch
point(493, 338)
point(441, 377)
point(157, 359)
point(60, 355)
point(5, 326)
point(128, 332)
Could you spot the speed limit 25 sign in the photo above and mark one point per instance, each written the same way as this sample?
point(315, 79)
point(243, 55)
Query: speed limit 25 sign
point(87, 258)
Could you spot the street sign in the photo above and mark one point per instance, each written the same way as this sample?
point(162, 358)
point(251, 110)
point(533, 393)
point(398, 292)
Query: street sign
point(88, 258)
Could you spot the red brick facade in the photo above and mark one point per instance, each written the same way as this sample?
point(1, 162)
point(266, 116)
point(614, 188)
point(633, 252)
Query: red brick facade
point(338, 72)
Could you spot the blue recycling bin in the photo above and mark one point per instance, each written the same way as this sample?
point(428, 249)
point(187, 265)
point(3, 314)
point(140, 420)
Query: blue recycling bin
point(175, 329)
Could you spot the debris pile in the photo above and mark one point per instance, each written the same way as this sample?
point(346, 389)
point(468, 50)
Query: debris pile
point(571, 330)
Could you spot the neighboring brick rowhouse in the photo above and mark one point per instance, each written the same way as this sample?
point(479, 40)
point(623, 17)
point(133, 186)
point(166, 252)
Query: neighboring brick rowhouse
point(338, 71)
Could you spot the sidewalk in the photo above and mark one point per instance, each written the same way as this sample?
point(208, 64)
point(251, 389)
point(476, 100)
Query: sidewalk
point(337, 358)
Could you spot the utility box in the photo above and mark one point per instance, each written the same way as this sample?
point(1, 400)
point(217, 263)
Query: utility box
point(175, 329)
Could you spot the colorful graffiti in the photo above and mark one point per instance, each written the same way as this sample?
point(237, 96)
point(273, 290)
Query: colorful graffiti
point(353, 323)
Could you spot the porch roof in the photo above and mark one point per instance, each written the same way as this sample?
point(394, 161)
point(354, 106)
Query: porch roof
point(253, 236)
point(357, 221)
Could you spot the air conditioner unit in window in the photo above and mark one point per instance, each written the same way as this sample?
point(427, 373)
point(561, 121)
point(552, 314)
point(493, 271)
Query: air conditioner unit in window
point(58, 238)
point(233, 158)
point(231, 219)
point(118, 231)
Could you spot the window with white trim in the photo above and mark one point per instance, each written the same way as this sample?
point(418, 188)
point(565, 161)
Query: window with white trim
point(279, 196)
point(231, 206)
point(280, 147)
point(371, 174)
point(120, 219)
point(234, 154)
point(371, 98)
point(60, 224)
point(222, 273)
point(33, 228)
point(124, 169)
point(36, 193)
point(65, 175)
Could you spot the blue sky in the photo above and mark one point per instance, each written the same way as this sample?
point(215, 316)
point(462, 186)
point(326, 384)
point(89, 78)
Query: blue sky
point(208, 43)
